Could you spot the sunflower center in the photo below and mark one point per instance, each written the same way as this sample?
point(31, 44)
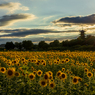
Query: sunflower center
point(2, 69)
point(16, 74)
point(43, 83)
point(31, 76)
point(10, 72)
point(63, 75)
point(75, 80)
point(39, 73)
point(89, 74)
point(46, 77)
point(51, 85)
point(58, 74)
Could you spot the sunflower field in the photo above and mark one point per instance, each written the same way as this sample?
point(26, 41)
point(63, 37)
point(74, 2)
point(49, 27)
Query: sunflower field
point(47, 73)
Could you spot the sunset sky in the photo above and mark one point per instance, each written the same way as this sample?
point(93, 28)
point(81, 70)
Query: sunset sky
point(45, 20)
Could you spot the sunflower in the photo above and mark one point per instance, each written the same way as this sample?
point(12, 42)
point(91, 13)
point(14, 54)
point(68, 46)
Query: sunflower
point(44, 63)
point(37, 63)
point(93, 70)
point(63, 69)
point(23, 74)
point(17, 74)
point(23, 59)
point(10, 72)
point(43, 83)
point(39, 72)
point(63, 76)
point(50, 63)
point(50, 73)
point(67, 60)
point(31, 76)
point(46, 76)
point(34, 72)
point(86, 70)
point(89, 74)
point(58, 74)
point(91, 64)
point(79, 79)
point(29, 60)
point(18, 64)
point(14, 61)
point(75, 80)
point(55, 61)
point(2, 69)
point(85, 84)
point(58, 59)
point(51, 85)
point(63, 61)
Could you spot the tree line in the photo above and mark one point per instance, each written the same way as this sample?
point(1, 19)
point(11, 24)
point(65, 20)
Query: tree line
point(87, 43)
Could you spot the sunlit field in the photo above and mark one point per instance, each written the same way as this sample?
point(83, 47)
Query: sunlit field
point(47, 73)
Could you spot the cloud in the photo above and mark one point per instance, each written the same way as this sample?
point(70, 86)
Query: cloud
point(77, 20)
point(28, 32)
point(37, 39)
point(7, 20)
point(12, 7)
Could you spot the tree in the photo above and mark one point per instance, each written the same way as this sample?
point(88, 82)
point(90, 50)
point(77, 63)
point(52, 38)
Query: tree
point(18, 45)
point(28, 45)
point(9, 45)
point(42, 45)
point(65, 43)
point(55, 43)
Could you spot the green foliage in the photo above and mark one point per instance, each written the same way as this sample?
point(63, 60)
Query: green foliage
point(28, 45)
point(9, 45)
point(85, 44)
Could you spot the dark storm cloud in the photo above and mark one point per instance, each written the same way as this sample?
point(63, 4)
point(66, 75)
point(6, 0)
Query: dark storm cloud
point(25, 32)
point(90, 19)
point(10, 19)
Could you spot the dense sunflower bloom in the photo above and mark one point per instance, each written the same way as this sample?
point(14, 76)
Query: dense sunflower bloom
point(93, 70)
point(10, 72)
point(50, 73)
point(67, 60)
point(46, 76)
point(58, 59)
point(58, 74)
point(75, 80)
point(91, 64)
point(51, 85)
point(63, 69)
point(29, 60)
point(14, 61)
point(63, 61)
point(23, 59)
point(79, 79)
point(39, 72)
point(89, 74)
point(50, 63)
point(43, 83)
point(2, 69)
point(50, 77)
point(37, 63)
point(18, 64)
point(17, 74)
point(34, 72)
point(86, 70)
point(44, 63)
point(31, 76)
point(63, 76)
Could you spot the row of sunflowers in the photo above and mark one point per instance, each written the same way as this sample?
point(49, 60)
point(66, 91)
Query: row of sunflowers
point(47, 73)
